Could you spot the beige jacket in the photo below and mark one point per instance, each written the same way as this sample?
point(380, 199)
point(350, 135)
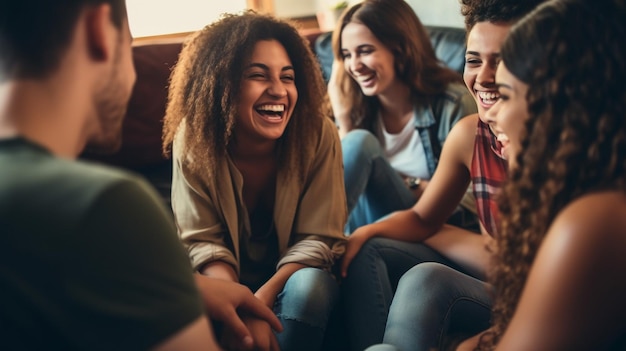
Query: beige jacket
point(309, 218)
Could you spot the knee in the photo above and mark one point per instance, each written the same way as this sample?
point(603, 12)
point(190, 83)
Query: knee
point(382, 347)
point(376, 245)
point(428, 278)
point(309, 296)
point(360, 142)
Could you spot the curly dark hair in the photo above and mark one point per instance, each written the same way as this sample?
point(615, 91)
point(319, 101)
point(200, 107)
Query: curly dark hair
point(415, 61)
point(570, 54)
point(204, 90)
point(495, 11)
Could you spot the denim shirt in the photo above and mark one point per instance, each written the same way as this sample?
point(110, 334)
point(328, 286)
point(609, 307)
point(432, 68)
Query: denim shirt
point(434, 121)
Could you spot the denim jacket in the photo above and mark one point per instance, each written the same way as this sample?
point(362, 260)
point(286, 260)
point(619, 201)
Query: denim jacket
point(434, 120)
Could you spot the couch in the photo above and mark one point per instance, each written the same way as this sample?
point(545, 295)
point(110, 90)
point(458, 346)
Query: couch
point(154, 59)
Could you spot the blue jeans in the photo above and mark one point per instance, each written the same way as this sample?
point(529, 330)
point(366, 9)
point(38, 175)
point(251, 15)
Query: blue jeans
point(372, 279)
point(382, 347)
point(373, 188)
point(434, 304)
point(304, 307)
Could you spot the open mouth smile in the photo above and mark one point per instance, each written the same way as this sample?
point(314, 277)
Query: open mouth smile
point(487, 98)
point(271, 113)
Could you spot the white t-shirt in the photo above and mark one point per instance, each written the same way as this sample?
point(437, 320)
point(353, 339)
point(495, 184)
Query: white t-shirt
point(405, 151)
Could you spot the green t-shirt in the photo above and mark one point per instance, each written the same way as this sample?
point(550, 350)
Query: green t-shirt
point(89, 257)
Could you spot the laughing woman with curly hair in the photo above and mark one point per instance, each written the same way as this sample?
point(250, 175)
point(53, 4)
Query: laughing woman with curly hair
point(257, 188)
point(560, 261)
point(561, 256)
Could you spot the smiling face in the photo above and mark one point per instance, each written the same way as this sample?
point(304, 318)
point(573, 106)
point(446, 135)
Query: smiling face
point(367, 60)
point(510, 113)
point(268, 93)
point(481, 60)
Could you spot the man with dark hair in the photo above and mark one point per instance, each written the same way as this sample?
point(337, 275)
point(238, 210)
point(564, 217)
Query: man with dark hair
point(89, 257)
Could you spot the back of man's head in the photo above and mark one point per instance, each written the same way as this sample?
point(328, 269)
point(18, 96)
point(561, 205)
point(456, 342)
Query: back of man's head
point(35, 33)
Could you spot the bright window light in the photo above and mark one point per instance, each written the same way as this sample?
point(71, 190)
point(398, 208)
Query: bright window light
point(150, 17)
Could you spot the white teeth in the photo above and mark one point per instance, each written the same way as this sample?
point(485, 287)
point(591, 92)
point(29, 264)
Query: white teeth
point(502, 137)
point(488, 96)
point(272, 108)
point(364, 79)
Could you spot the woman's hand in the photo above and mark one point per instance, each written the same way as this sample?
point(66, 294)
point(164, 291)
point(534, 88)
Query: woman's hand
point(353, 245)
point(267, 292)
point(341, 109)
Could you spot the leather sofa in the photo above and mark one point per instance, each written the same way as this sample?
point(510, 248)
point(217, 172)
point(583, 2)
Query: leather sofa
point(153, 60)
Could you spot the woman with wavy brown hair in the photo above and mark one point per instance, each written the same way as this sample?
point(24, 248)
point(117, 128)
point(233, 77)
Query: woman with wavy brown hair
point(394, 103)
point(257, 188)
point(561, 256)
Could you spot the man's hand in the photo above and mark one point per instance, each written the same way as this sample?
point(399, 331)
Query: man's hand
point(264, 338)
point(226, 301)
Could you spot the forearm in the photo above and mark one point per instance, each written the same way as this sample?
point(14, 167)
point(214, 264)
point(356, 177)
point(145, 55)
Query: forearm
point(268, 292)
point(341, 109)
point(466, 248)
point(219, 270)
point(403, 225)
point(344, 123)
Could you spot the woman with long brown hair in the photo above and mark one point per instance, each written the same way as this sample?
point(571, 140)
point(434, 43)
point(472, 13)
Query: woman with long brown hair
point(394, 103)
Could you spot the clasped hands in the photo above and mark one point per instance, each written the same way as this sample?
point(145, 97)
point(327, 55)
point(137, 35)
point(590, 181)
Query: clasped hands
point(247, 321)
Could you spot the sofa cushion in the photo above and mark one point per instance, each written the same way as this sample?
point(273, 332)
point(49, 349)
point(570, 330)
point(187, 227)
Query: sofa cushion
point(449, 45)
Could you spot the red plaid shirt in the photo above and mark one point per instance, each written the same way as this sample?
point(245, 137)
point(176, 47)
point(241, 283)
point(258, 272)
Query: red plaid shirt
point(488, 172)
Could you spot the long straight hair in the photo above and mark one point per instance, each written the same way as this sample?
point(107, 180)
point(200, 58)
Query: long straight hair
point(396, 25)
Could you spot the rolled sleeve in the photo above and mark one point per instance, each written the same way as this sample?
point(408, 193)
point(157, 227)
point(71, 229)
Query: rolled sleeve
point(322, 213)
point(314, 251)
point(199, 225)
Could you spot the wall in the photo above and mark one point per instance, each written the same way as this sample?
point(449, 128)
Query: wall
point(150, 17)
point(439, 12)
point(295, 8)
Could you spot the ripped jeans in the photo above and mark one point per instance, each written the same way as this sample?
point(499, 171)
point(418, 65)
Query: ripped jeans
point(304, 307)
